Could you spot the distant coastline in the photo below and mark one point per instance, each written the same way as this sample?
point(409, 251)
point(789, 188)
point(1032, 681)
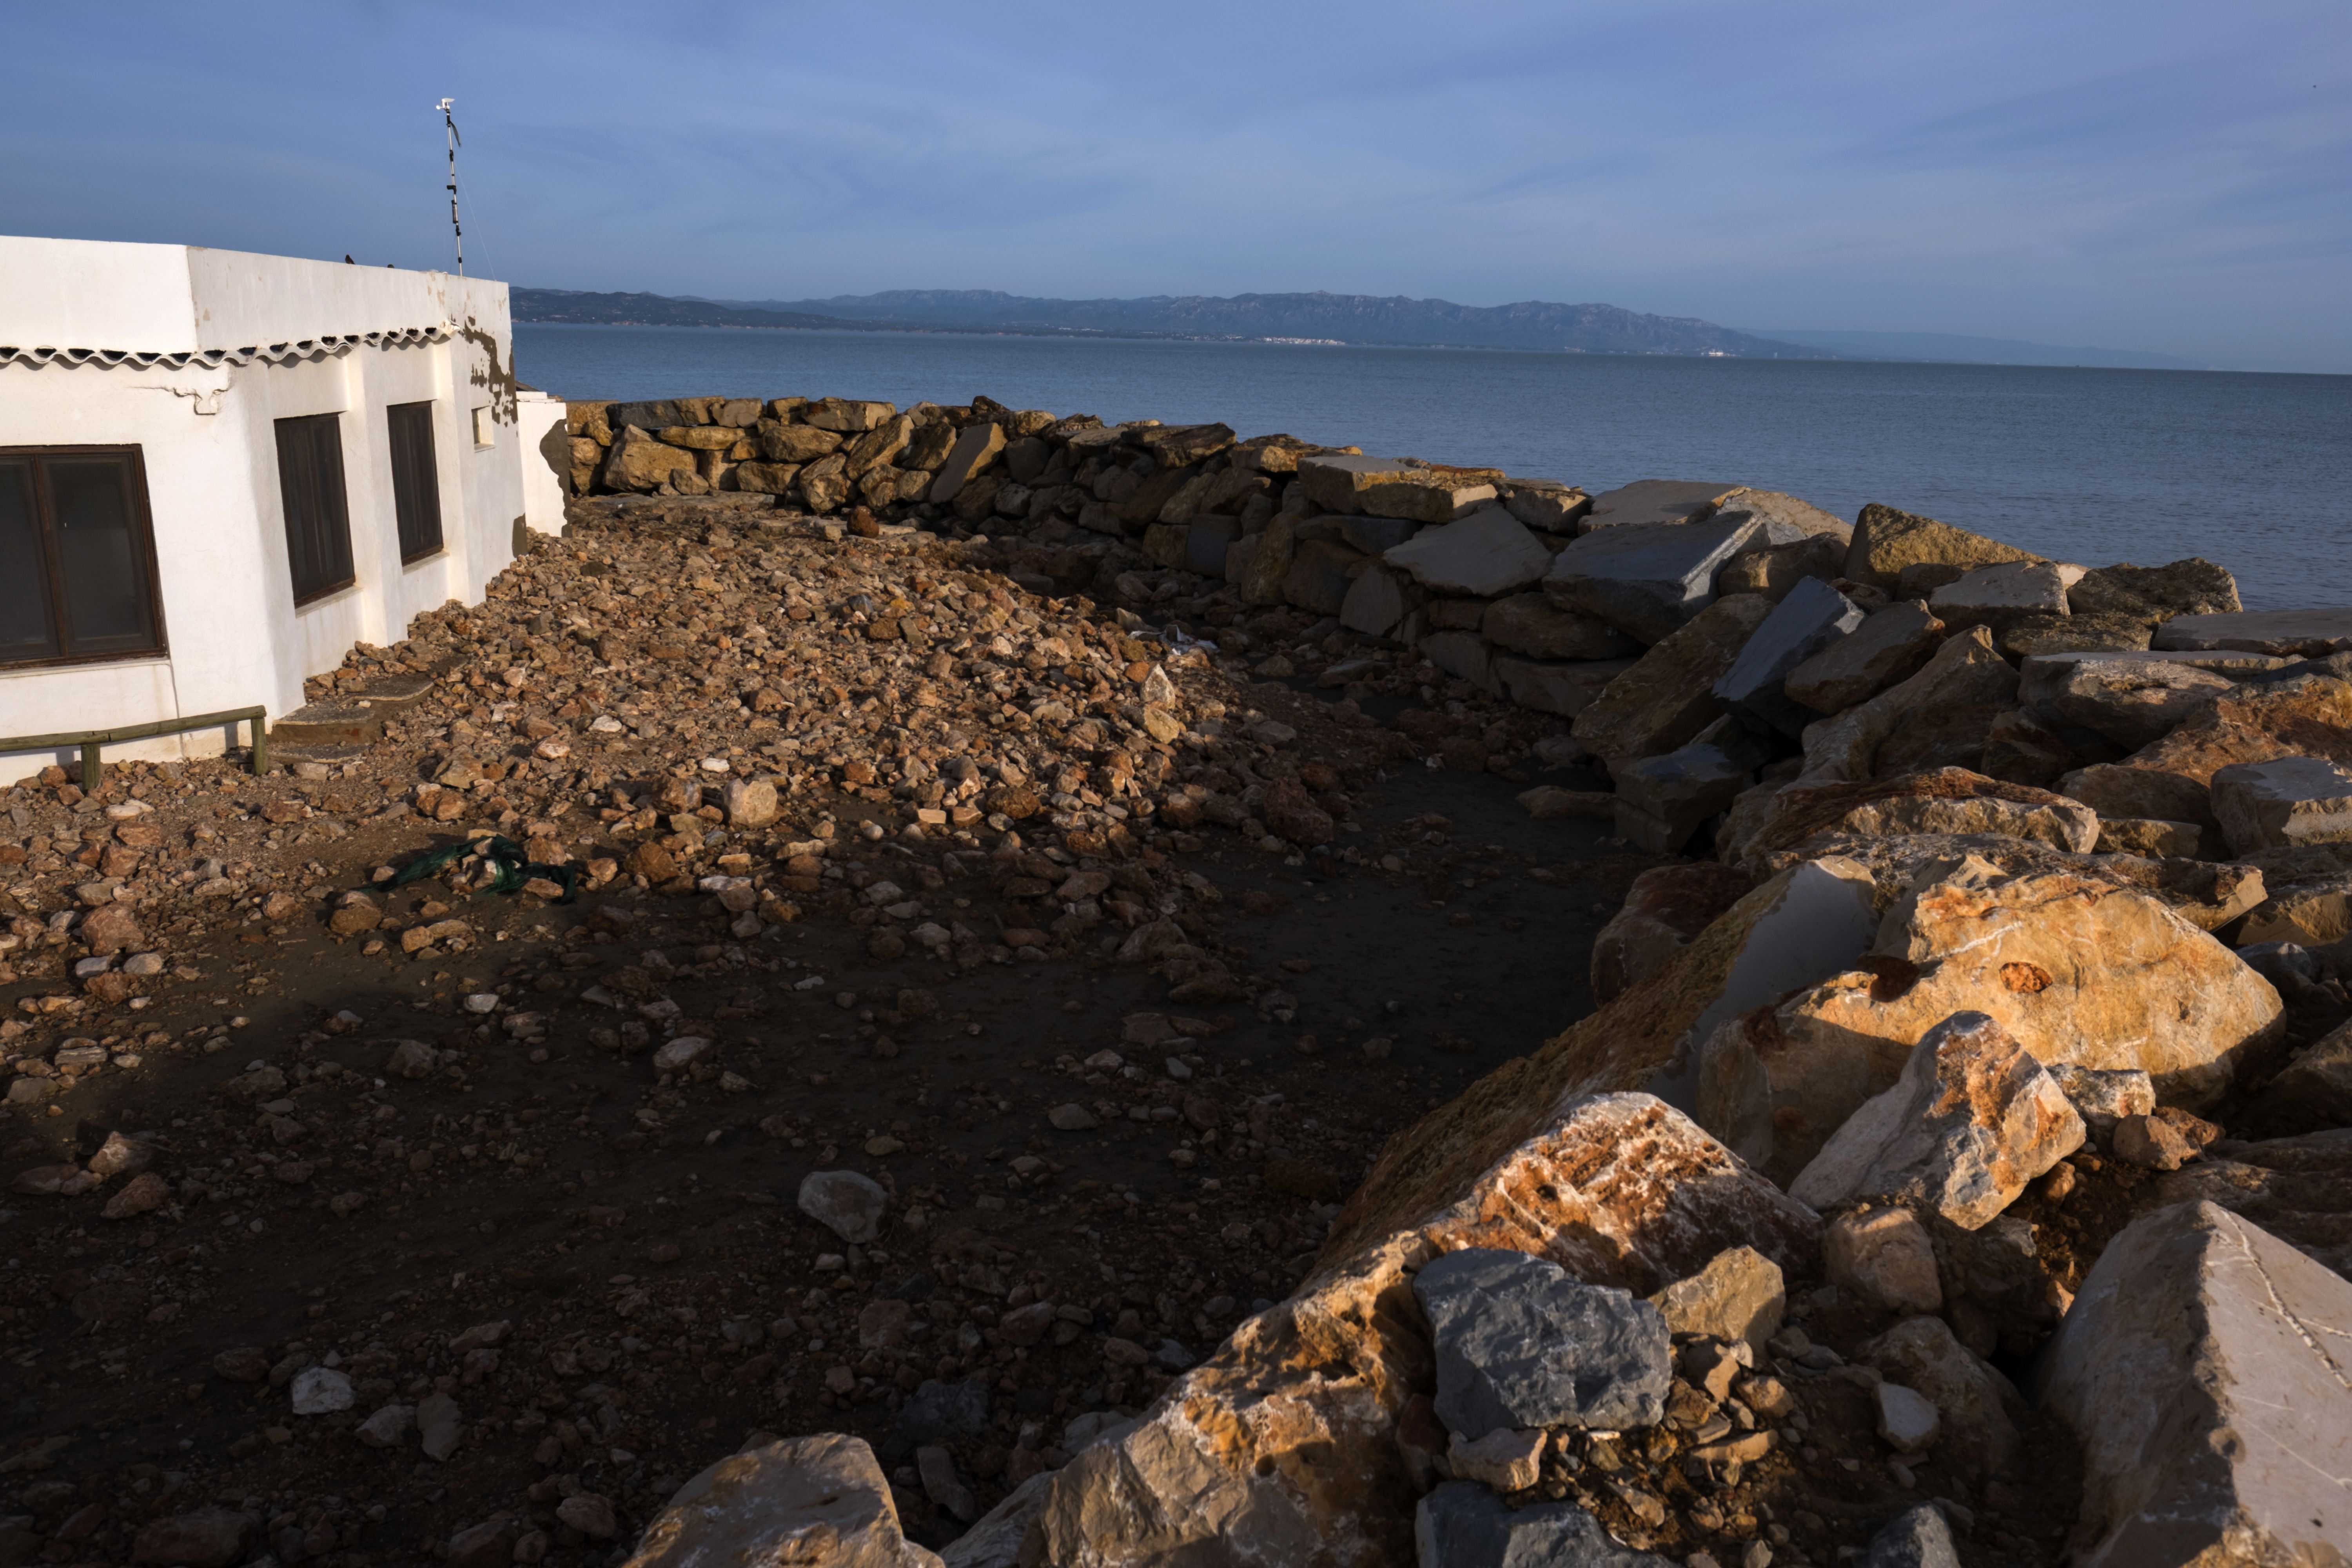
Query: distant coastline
point(1312, 320)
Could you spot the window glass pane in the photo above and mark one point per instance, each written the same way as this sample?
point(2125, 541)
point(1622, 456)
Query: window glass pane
point(25, 630)
point(98, 551)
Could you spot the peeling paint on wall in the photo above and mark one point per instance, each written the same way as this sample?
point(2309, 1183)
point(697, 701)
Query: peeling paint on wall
point(491, 375)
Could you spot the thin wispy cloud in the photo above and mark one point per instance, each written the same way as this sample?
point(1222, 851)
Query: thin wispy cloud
point(2155, 174)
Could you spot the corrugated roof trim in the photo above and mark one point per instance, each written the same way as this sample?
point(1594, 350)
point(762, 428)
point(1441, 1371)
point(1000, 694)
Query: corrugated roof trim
point(272, 353)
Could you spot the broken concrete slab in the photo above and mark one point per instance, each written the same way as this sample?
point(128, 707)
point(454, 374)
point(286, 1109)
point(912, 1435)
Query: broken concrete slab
point(2297, 633)
point(2283, 803)
point(1972, 1119)
point(1809, 620)
point(1657, 501)
point(2206, 1369)
point(1648, 579)
point(1486, 554)
point(1889, 646)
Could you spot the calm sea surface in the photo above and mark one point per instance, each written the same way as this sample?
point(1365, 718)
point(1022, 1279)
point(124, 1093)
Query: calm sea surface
point(2089, 465)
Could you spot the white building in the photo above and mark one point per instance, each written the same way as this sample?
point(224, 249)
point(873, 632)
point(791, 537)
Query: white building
point(218, 471)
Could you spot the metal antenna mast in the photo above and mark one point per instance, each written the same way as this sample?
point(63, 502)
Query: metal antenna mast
point(449, 120)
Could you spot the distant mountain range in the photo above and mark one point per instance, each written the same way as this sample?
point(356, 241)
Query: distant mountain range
point(1250, 317)
point(1532, 325)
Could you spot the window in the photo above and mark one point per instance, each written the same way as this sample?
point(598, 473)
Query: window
point(484, 435)
point(415, 481)
point(317, 526)
point(76, 556)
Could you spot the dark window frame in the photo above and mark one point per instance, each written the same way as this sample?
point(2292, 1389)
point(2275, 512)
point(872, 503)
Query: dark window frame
point(416, 495)
point(142, 523)
point(334, 525)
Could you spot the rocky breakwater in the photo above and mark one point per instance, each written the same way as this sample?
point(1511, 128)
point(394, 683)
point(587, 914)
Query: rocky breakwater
point(1958, 1163)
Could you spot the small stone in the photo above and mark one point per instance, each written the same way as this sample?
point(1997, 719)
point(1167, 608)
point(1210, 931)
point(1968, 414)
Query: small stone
point(388, 1428)
point(1918, 1538)
point(2152, 1143)
point(849, 1204)
point(320, 1391)
point(1504, 1459)
point(590, 1514)
point(144, 1194)
point(1738, 1296)
point(439, 1426)
point(1072, 1118)
point(941, 1485)
point(1884, 1260)
point(1907, 1421)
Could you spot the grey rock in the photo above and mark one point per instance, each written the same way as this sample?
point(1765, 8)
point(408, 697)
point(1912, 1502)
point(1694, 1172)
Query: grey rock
point(1376, 602)
point(1999, 595)
point(1920, 1539)
point(1657, 501)
point(2280, 804)
point(1567, 689)
point(1463, 1525)
point(1463, 655)
point(1810, 619)
point(1972, 1119)
point(1532, 625)
point(2130, 699)
point(1374, 534)
point(2102, 1097)
point(1206, 542)
point(936, 1468)
point(2302, 633)
point(995, 1540)
point(1889, 646)
point(320, 1391)
point(1662, 801)
point(848, 1204)
point(1648, 579)
point(1520, 1342)
point(439, 1426)
point(2206, 1369)
point(1485, 554)
point(936, 1411)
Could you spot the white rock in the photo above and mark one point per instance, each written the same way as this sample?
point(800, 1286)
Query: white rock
point(320, 1391)
point(848, 1204)
point(1907, 1420)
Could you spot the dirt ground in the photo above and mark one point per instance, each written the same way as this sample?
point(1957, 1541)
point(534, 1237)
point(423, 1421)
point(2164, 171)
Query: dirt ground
point(602, 1265)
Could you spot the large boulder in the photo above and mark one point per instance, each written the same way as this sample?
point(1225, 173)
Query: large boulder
point(639, 462)
point(1486, 554)
point(2131, 698)
point(2075, 968)
point(2206, 1369)
point(1377, 600)
point(2151, 595)
point(2295, 634)
point(976, 447)
point(1648, 579)
point(2283, 804)
point(1809, 618)
point(2002, 596)
point(1889, 646)
point(1970, 1122)
point(1938, 718)
point(1665, 699)
point(1664, 910)
point(1322, 571)
point(2170, 780)
point(1885, 541)
point(1532, 625)
point(1394, 487)
point(2298, 1188)
point(1944, 801)
point(1281, 1446)
point(823, 1501)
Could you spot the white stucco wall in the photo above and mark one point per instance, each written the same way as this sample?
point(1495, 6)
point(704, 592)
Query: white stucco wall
point(207, 437)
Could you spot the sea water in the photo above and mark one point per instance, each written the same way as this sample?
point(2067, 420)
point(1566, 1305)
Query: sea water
point(2088, 466)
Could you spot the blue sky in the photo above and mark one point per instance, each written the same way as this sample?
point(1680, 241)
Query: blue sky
point(2169, 177)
